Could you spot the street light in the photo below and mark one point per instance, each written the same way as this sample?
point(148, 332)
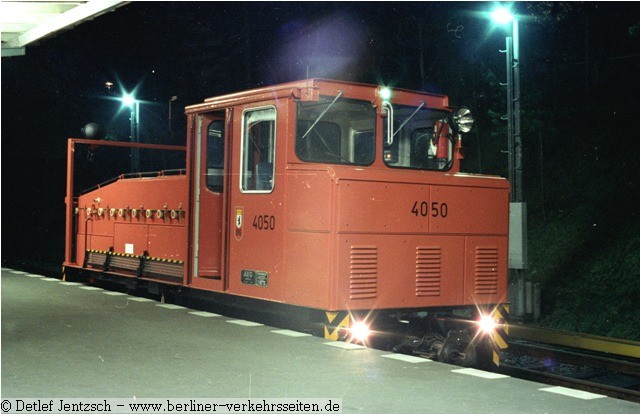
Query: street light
point(518, 208)
point(502, 16)
point(173, 99)
point(129, 100)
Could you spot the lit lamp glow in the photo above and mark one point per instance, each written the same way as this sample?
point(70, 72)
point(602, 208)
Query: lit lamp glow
point(501, 15)
point(128, 100)
point(385, 94)
point(487, 324)
point(360, 332)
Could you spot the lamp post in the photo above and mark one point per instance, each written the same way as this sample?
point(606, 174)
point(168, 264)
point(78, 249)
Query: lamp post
point(503, 16)
point(133, 104)
point(518, 208)
point(173, 99)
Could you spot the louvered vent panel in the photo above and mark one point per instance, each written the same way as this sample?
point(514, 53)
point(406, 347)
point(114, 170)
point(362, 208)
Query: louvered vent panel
point(363, 277)
point(124, 263)
point(486, 274)
point(428, 271)
point(95, 258)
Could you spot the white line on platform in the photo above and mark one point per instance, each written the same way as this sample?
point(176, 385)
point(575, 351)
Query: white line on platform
point(204, 314)
point(481, 374)
point(293, 334)
point(17, 272)
point(90, 288)
point(573, 393)
point(406, 358)
point(170, 306)
point(344, 345)
point(5, 269)
point(50, 279)
point(244, 323)
point(137, 299)
point(31, 275)
point(114, 293)
point(70, 283)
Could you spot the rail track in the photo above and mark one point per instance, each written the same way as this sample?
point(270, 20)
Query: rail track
point(600, 365)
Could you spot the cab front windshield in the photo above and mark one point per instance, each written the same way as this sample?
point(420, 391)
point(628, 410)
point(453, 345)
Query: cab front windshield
point(336, 130)
point(421, 139)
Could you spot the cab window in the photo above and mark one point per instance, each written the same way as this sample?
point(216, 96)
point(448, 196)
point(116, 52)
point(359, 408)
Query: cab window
point(421, 139)
point(215, 156)
point(336, 130)
point(258, 150)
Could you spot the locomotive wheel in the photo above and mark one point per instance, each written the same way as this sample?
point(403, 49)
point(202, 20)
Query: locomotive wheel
point(457, 349)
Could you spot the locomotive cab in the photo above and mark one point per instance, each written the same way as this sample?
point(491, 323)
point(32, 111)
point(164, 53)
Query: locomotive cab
point(341, 198)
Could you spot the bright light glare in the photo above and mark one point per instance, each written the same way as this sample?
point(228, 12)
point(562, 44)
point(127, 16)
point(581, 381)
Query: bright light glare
point(501, 15)
point(360, 331)
point(487, 324)
point(385, 94)
point(128, 100)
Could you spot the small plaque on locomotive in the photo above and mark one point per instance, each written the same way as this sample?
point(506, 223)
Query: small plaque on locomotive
point(254, 277)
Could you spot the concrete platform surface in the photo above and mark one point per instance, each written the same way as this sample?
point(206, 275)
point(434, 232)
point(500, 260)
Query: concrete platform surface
point(72, 340)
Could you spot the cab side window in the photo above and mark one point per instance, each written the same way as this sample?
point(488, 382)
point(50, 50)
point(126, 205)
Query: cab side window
point(215, 156)
point(258, 150)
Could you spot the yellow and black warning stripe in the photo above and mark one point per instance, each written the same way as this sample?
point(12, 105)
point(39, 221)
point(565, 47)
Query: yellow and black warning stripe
point(499, 337)
point(334, 322)
point(132, 256)
point(98, 251)
point(162, 260)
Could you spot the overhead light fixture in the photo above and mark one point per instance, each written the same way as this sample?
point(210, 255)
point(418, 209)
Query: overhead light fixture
point(502, 15)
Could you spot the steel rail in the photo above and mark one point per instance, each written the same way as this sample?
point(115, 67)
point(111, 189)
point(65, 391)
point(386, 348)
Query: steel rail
point(595, 343)
point(612, 361)
point(576, 358)
point(574, 383)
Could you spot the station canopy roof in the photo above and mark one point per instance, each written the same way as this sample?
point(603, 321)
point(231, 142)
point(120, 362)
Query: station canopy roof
point(25, 22)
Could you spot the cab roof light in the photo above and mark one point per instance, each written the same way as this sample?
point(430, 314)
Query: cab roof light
point(385, 93)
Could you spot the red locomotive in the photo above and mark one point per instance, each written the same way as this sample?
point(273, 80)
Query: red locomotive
point(339, 197)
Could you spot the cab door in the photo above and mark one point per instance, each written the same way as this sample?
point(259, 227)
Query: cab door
point(256, 208)
point(208, 247)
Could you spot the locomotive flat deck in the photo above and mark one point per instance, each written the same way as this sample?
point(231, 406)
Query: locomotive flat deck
point(72, 340)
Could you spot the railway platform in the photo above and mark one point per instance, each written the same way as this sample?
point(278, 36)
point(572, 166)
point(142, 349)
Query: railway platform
point(63, 339)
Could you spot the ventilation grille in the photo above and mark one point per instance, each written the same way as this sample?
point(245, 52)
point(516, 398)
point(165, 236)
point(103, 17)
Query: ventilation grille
point(428, 271)
point(363, 276)
point(95, 258)
point(486, 274)
point(124, 263)
point(159, 268)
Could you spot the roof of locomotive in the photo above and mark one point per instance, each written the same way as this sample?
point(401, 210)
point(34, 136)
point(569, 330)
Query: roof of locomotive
point(310, 89)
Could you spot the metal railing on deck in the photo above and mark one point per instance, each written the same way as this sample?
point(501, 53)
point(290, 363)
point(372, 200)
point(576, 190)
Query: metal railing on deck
point(69, 199)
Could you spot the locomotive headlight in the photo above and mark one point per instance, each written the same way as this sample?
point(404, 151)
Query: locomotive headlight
point(360, 332)
point(487, 324)
point(462, 120)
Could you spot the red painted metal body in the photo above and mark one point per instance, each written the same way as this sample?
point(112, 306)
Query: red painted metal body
point(323, 235)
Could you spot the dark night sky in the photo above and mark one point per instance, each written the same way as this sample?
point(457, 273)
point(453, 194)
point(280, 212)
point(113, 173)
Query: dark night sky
point(573, 53)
